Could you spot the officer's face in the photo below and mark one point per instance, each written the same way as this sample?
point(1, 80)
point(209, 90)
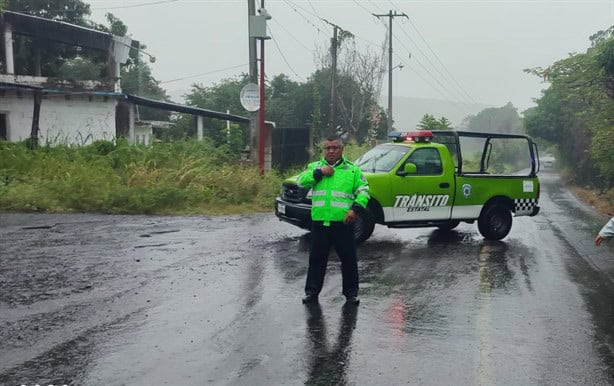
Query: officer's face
point(332, 151)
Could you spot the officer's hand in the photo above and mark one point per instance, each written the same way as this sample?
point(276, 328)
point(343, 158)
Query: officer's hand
point(598, 240)
point(327, 171)
point(350, 217)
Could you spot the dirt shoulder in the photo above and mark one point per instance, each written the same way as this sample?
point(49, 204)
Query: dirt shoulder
point(602, 203)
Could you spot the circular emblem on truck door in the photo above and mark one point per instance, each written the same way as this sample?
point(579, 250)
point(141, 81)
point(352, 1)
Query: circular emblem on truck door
point(466, 190)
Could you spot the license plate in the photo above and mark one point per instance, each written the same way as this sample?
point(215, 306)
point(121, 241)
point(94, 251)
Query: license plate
point(281, 208)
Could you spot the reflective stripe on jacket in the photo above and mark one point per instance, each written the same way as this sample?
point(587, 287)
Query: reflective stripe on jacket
point(333, 196)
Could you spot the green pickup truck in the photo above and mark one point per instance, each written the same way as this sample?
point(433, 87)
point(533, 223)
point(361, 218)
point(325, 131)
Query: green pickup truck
point(438, 179)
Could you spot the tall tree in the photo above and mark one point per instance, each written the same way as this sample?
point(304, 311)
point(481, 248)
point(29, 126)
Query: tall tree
point(358, 87)
point(68, 11)
point(289, 103)
point(429, 122)
point(45, 58)
point(504, 120)
point(576, 111)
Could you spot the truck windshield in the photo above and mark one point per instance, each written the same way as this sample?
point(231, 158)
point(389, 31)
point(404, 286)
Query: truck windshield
point(381, 158)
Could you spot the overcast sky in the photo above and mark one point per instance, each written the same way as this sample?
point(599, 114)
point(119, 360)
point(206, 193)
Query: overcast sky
point(465, 51)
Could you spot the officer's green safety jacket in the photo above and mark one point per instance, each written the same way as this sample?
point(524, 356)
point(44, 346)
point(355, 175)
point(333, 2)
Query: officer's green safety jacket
point(333, 196)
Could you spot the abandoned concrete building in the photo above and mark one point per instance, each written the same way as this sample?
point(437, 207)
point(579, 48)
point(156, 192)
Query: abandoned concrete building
point(52, 111)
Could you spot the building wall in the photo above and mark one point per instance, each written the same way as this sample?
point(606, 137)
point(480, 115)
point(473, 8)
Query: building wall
point(81, 119)
point(143, 134)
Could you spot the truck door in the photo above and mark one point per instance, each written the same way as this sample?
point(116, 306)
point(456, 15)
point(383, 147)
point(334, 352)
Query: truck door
point(426, 194)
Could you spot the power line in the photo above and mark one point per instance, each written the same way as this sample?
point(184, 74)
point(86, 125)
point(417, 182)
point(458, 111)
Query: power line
point(291, 35)
point(436, 57)
point(362, 6)
point(442, 65)
point(204, 73)
point(435, 78)
point(452, 90)
point(316, 12)
point(294, 6)
point(283, 56)
point(376, 6)
point(434, 87)
point(135, 5)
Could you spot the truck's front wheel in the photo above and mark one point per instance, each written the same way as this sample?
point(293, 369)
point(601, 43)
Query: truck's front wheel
point(495, 222)
point(363, 227)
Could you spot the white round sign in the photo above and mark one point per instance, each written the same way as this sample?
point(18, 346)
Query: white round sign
point(250, 97)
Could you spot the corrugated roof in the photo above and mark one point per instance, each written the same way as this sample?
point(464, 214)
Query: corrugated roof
point(185, 109)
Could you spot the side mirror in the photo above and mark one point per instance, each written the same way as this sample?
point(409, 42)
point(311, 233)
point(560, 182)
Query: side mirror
point(409, 168)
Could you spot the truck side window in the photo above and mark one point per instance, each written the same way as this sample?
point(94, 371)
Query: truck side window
point(427, 161)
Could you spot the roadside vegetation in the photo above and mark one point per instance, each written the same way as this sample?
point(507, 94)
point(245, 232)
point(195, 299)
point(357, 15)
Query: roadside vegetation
point(106, 177)
point(575, 115)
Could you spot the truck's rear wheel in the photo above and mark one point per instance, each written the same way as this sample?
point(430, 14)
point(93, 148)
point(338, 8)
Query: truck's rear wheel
point(363, 227)
point(495, 222)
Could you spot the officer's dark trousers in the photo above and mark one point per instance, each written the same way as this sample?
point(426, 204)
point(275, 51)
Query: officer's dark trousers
point(341, 237)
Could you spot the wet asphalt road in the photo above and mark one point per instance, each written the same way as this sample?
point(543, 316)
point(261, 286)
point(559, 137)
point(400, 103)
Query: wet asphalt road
point(144, 300)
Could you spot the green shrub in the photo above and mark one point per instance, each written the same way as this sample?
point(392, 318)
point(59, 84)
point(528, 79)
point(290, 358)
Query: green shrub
point(184, 176)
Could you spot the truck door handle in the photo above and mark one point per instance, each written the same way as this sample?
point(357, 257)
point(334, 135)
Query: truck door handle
point(444, 185)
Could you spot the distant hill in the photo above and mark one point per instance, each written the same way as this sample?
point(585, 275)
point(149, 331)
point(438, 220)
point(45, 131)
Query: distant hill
point(407, 111)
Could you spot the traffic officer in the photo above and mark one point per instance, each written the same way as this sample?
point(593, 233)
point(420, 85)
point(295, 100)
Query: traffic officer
point(339, 193)
point(606, 232)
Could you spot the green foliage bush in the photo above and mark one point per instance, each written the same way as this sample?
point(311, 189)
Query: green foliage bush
point(185, 176)
point(575, 112)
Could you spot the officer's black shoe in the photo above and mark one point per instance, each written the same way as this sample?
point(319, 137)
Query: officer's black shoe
point(353, 300)
point(310, 299)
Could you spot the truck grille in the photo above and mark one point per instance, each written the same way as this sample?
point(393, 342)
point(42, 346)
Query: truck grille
point(291, 192)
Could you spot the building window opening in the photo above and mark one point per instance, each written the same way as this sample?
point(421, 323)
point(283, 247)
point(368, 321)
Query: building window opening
point(3, 127)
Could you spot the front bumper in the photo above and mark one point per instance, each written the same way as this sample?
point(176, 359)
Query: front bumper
point(294, 213)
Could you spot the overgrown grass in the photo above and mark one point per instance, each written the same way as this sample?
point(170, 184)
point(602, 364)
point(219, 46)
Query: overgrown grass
point(185, 177)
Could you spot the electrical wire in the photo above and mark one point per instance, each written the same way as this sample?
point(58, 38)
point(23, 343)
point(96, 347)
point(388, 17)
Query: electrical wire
point(424, 68)
point(375, 5)
point(425, 80)
point(362, 6)
point(316, 12)
point(453, 92)
point(135, 5)
point(294, 8)
point(283, 56)
point(456, 103)
point(436, 57)
point(204, 73)
point(292, 36)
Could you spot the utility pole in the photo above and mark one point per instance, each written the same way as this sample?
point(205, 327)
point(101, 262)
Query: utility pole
point(253, 78)
point(390, 15)
point(332, 119)
point(262, 130)
point(253, 61)
point(334, 45)
point(257, 30)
